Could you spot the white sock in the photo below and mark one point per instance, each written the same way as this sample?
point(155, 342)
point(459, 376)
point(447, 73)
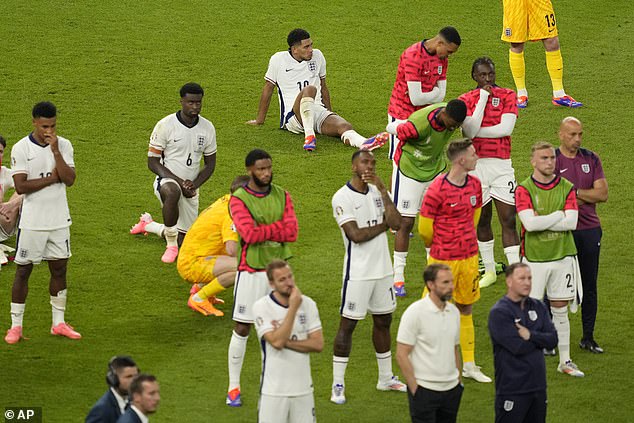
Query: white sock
point(400, 260)
point(559, 93)
point(17, 314)
point(237, 348)
point(487, 254)
point(155, 228)
point(58, 306)
point(427, 251)
point(562, 325)
point(306, 111)
point(522, 92)
point(339, 365)
point(353, 138)
point(512, 254)
point(197, 298)
point(384, 360)
point(171, 236)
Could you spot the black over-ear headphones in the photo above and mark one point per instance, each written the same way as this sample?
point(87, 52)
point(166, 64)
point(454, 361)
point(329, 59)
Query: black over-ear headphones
point(111, 377)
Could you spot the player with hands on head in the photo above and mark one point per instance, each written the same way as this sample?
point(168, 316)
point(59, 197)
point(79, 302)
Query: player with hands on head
point(299, 74)
point(491, 117)
point(177, 144)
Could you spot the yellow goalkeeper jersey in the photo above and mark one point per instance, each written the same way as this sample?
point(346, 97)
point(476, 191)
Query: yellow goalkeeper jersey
point(210, 231)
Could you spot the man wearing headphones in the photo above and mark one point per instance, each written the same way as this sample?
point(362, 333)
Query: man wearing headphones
point(121, 370)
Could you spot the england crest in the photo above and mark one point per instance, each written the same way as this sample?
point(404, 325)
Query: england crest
point(201, 141)
point(532, 314)
point(339, 210)
point(302, 318)
point(495, 101)
point(378, 202)
point(508, 405)
point(440, 70)
point(507, 32)
point(406, 204)
point(585, 167)
point(472, 200)
point(312, 66)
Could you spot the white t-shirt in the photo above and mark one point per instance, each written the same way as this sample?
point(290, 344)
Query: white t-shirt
point(183, 147)
point(285, 373)
point(46, 209)
point(291, 76)
point(370, 259)
point(6, 181)
point(434, 333)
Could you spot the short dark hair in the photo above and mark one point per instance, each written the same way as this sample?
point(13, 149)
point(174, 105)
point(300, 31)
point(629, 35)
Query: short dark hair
point(136, 386)
point(296, 36)
point(484, 60)
point(3, 141)
point(457, 147)
point(457, 110)
point(510, 269)
point(44, 109)
point(359, 152)
point(273, 266)
point(191, 88)
point(121, 361)
point(450, 34)
point(431, 272)
point(254, 156)
point(238, 182)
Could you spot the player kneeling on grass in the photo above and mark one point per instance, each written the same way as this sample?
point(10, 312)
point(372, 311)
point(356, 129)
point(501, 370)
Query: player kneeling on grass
point(10, 209)
point(207, 258)
point(289, 328)
point(300, 77)
point(178, 143)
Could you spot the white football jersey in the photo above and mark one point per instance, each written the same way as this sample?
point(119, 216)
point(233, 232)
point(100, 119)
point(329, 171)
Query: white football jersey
point(285, 372)
point(46, 209)
point(6, 181)
point(291, 76)
point(183, 147)
point(370, 259)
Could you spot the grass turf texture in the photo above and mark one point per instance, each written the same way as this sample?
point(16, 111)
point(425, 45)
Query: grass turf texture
point(114, 69)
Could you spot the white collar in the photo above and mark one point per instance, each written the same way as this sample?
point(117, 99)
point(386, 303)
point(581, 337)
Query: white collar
point(142, 416)
point(121, 401)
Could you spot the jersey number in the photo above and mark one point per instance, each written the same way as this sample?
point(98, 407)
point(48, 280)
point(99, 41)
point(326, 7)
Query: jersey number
point(550, 20)
point(372, 222)
point(299, 84)
point(512, 187)
point(45, 175)
point(568, 280)
point(189, 159)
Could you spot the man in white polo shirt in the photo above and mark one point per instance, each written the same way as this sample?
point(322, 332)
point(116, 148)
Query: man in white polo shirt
point(428, 350)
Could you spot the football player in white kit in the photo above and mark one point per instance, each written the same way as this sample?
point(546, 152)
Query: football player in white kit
point(43, 167)
point(299, 74)
point(289, 328)
point(177, 144)
point(10, 209)
point(364, 211)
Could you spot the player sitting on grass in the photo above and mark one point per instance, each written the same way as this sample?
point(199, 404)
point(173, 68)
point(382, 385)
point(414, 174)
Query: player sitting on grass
point(10, 209)
point(300, 77)
point(207, 258)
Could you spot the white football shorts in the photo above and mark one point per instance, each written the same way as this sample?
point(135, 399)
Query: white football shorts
point(498, 180)
point(407, 193)
point(299, 409)
point(35, 246)
point(373, 295)
point(559, 279)
point(320, 113)
point(249, 287)
point(187, 207)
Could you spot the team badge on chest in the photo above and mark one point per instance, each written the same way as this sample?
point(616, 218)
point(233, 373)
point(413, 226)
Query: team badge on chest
point(495, 101)
point(312, 66)
point(440, 70)
point(201, 142)
point(472, 200)
point(585, 167)
point(532, 314)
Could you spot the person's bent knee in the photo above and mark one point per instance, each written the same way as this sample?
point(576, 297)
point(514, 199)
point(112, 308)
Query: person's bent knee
point(309, 91)
point(170, 191)
point(551, 44)
point(242, 329)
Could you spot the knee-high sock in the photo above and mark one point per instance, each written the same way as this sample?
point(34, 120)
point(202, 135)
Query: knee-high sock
point(237, 348)
point(211, 289)
point(400, 260)
point(353, 138)
point(512, 253)
point(308, 120)
point(17, 314)
point(518, 70)
point(339, 365)
point(171, 236)
point(555, 66)
point(467, 338)
point(384, 361)
point(58, 306)
point(155, 228)
point(487, 254)
point(562, 325)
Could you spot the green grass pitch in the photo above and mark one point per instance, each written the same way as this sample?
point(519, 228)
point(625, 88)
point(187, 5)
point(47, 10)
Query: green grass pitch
point(114, 69)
